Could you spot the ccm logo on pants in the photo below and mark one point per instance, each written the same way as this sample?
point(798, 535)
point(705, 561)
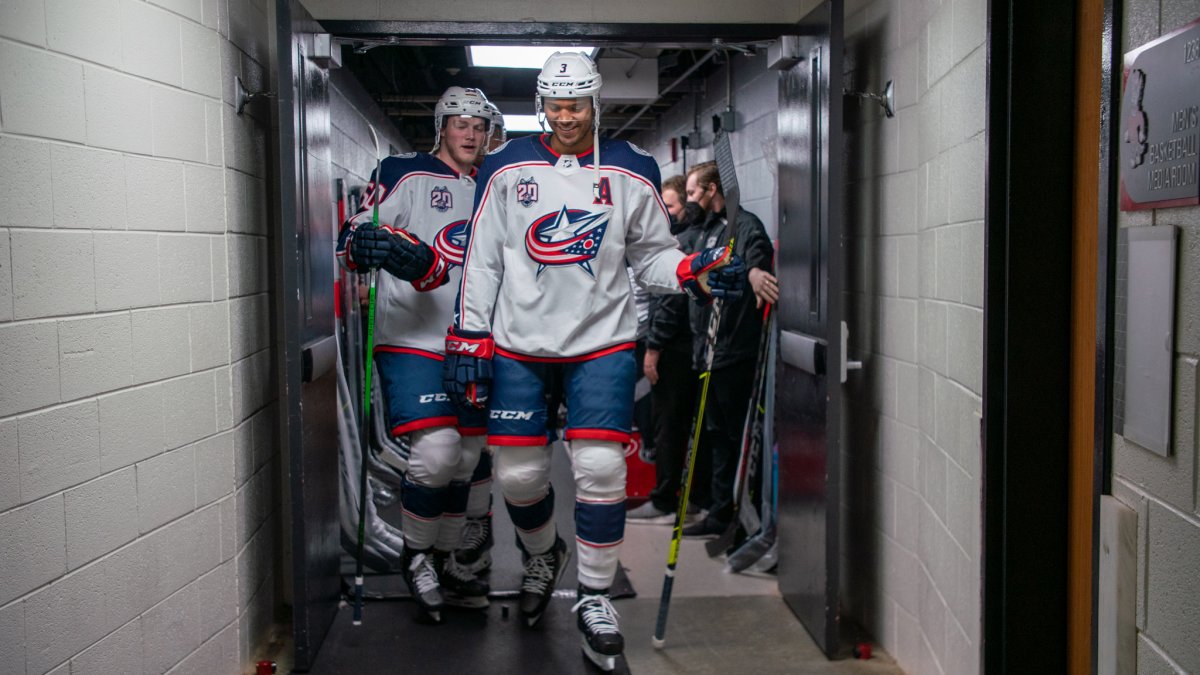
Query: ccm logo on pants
point(511, 415)
point(431, 398)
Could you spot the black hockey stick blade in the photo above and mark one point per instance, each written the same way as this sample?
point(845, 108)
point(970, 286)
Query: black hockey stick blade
point(723, 155)
point(715, 547)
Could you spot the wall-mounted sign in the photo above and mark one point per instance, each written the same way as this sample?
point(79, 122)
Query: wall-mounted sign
point(1160, 122)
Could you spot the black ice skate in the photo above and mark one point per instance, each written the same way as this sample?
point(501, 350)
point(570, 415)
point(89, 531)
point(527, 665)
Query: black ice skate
point(597, 620)
point(460, 588)
point(542, 572)
point(475, 547)
point(422, 578)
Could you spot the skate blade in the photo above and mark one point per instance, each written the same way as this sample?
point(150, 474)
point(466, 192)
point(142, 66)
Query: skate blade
point(467, 602)
point(605, 662)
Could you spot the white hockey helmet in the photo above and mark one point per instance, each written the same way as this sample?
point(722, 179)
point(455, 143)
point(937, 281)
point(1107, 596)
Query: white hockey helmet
point(498, 130)
point(569, 75)
point(461, 101)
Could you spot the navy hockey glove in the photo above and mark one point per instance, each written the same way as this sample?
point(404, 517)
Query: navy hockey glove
point(728, 282)
point(411, 259)
point(713, 272)
point(369, 247)
point(467, 369)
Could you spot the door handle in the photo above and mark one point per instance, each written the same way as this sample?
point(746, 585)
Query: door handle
point(317, 358)
point(802, 351)
point(847, 365)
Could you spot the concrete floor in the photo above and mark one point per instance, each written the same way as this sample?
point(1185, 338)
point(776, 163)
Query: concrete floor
point(719, 622)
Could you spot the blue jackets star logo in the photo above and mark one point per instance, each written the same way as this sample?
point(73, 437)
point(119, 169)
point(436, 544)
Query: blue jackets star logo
point(451, 242)
point(566, 237)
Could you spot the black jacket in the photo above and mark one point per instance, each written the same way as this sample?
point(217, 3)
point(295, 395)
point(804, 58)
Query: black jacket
point(669, 328)
point(741, 322)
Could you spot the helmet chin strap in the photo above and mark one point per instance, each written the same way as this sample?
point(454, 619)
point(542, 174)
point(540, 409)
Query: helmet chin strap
point(543, 122)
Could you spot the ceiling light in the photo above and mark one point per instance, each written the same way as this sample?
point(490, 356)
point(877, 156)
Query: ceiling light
point(516, 123)
point(490, 56)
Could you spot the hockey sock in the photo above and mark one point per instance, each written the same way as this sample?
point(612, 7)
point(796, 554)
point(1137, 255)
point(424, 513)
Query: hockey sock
point(524, 476)
point(450, 529)
point(599, 468)
point(422, 511)
point(479, 504)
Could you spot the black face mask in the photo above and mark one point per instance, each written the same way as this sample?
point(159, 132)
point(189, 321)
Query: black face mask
point(692, 213)
point(677, 225)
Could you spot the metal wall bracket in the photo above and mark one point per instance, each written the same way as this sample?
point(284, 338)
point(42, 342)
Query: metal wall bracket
point(243, 96)
point(886, 99)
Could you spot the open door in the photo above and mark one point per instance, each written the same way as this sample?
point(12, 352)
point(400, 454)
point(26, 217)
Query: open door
point(307, 349)
point(811, 264)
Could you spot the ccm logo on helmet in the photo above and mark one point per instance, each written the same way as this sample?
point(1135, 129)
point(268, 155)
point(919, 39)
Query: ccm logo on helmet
point(511, 415)
point(430, 398)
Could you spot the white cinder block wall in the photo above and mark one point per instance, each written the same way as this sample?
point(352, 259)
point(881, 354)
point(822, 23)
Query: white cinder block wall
point(139, 477)
point(914, 218)
point(755, 101)
point(352, 151)
point(914, 213)
point(1165, 491)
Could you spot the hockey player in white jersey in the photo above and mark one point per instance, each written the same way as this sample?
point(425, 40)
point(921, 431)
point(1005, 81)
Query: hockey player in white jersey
point(545, 295)
point(425, 201)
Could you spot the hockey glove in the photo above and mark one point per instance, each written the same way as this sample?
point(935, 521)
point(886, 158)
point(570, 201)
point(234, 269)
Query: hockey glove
point(411, 259)
point(713, 272)
point(369, 247)
point(467, 368)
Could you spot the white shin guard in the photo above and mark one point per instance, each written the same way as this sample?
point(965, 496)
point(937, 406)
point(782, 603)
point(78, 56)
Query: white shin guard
point(434, 461)
point(523, 473)
point(599, 468)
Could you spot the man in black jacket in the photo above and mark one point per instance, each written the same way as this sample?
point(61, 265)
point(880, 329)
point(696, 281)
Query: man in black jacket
point(668, 366)
point(736, 349)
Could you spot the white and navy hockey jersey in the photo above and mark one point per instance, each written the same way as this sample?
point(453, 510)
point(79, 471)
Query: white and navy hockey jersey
point(421, 194)
point(545, 267)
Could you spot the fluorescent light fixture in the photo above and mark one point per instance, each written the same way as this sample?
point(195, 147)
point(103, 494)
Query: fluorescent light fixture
point(486, 56)
point(521, 123)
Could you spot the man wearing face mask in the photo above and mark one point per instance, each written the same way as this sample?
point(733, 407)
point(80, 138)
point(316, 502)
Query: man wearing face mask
point(668, 366)
point(736, 348)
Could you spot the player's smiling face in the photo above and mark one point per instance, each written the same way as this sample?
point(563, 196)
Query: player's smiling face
point(462, 140)
point(571, 123)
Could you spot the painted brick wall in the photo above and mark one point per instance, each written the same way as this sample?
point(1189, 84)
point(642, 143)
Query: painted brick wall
point(914, 213)
point(1165, 491)
point(139, 472)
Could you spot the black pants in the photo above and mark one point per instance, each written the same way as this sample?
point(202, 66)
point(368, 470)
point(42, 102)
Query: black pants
point(673, 399)
point(729, 392)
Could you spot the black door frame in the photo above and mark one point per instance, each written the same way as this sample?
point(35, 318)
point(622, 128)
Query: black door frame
point(1026, 415)
point(1030, 111)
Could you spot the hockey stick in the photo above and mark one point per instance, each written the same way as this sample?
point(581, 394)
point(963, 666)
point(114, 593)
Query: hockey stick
point(759, 551)
point(716, 547)
point(729, 188)
point(365, 427)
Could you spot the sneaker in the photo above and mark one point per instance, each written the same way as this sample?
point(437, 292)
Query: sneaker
point(709, 528)
point(648, 513)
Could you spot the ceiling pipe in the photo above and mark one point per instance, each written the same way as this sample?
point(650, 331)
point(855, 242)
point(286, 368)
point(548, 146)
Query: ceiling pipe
point(708, 55)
